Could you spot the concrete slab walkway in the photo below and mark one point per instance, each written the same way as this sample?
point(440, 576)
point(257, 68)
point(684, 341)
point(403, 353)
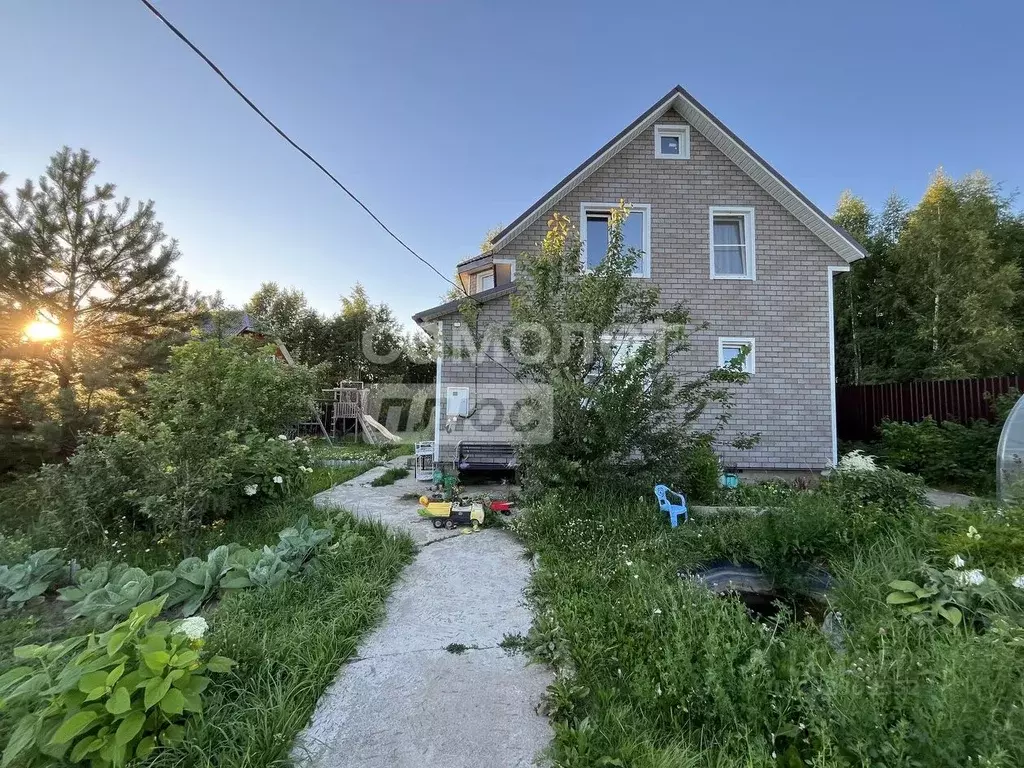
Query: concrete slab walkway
point(405, 701)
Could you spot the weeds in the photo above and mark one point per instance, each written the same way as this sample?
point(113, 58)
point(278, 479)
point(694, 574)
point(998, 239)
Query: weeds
point(653, 671)
point(390, 476)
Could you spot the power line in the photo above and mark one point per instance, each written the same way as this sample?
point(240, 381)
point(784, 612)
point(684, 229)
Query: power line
point(209, 62)
point(249, 102)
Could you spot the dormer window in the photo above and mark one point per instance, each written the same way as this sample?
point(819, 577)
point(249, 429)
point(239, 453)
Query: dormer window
point(672, 142)
point(484, 280)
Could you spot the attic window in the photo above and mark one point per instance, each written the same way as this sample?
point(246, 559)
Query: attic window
point(672, 142)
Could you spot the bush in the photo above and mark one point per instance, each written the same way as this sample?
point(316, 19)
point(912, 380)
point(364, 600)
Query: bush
point(949, 453)
point(893, 493)
point(215, 386)
point(108, 699)
point(200, 452)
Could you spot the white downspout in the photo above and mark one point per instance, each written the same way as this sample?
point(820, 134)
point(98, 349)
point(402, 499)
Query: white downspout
point(437, 393)
point(832, 271)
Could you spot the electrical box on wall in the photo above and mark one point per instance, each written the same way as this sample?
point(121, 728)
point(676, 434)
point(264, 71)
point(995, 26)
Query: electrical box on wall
point(457, 401)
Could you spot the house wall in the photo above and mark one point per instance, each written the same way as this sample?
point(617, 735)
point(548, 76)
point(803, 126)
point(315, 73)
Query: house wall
point(788, 399)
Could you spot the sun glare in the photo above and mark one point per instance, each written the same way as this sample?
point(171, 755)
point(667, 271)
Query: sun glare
point(41, 330)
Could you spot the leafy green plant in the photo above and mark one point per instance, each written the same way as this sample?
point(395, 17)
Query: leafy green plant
point(85, 581)
point(31, 578)
point(197, 580)
point(107, 699)
point(954, 595)
point(125, 589)
point(269, 570)
point(297, 543)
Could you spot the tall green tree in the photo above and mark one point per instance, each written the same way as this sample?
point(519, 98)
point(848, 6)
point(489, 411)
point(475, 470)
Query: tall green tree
point(98, 269)
point(940, 294)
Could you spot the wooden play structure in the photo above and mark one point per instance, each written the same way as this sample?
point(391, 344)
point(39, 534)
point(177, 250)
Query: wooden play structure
point(343, 413)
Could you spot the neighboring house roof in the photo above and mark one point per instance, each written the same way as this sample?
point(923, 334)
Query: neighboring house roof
point(837, 238)
point(453, 306)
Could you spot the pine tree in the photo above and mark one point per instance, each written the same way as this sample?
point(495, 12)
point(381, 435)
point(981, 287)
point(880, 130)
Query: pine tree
point(99, 271)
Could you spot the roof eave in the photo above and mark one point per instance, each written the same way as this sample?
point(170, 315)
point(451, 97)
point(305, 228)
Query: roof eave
point(427, 315)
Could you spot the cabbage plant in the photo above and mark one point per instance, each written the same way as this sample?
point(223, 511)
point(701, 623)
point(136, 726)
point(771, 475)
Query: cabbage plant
point(33, 577)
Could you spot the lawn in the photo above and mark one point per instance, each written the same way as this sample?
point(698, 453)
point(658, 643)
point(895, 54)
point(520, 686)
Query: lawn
point(655, 671)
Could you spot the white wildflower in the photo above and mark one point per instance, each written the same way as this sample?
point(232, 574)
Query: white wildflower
point(957, 561)
point(972, 533)
point(970, 578)
point(193, 627)
point(250, 490)
point(282, 437)
point(1019, 582)
point(657, 611)
point(629, 563)
point(278, 479)
point(857, 461)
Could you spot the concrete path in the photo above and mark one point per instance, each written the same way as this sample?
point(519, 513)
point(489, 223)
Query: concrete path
point(404, 701)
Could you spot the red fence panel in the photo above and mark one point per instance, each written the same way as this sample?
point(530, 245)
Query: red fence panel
point(860, 409)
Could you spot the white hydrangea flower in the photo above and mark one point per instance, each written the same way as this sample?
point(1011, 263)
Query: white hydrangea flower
point(1019, 582)
point(278, 479)
point(282, 437)
point(250, 490)
point(857, 461)
point(957, 561)
point(194, 627)
point(973, 577)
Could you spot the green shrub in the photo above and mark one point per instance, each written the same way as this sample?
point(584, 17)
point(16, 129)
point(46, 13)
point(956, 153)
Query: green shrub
point(213, 386)
point(953, 595)
point(107, 699)
point(895, 494)
point(700, 473)
point(949, 453)
point(31, 578)
point(200, 451)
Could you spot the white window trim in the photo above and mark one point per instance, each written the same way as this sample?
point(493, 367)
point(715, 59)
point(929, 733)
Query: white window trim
point(747, 212)
point(477, 276)
point(733, 341)
point(511, 263)
point(682, 132)
point(644, 207)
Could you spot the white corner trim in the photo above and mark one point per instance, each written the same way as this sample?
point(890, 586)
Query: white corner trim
point(644, 207)
point(832, 271)
point(749, 365)
point(678, 130)
point(749, 235)
point(437, 392)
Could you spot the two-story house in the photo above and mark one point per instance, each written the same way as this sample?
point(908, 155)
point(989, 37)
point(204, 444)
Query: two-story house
point(722, 232)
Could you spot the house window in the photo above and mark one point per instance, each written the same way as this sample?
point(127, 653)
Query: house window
point(729, 349)
point(636, 235)
point(732, 243)
point(672, 142)
point(484, 280)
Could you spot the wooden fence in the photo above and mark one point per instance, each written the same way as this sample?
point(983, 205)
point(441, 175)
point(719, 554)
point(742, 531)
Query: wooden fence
point(861, 408)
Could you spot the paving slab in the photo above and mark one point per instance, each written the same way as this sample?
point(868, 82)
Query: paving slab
point(947, 498)
point(404, 700)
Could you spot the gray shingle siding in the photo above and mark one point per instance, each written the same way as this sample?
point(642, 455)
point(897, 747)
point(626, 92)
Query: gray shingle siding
point(788, 399)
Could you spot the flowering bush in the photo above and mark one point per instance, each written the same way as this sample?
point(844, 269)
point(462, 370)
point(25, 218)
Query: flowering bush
point(200, 451)
point(888, 492)
point(108, 699)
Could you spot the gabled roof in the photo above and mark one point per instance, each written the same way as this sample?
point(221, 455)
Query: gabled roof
point(834, 236)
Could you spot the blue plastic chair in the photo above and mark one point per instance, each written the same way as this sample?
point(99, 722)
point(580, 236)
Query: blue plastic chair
point(673, 510)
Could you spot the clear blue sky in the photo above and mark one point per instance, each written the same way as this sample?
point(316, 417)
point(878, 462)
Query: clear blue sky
point(451, 117)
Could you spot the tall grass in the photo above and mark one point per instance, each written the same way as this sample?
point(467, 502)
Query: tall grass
point(655, 671)
point(289, 644)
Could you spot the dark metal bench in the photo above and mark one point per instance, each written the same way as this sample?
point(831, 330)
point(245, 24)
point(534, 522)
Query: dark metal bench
point(486, 457)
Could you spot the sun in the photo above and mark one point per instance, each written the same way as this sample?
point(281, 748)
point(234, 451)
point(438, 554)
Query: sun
point(41, 330)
